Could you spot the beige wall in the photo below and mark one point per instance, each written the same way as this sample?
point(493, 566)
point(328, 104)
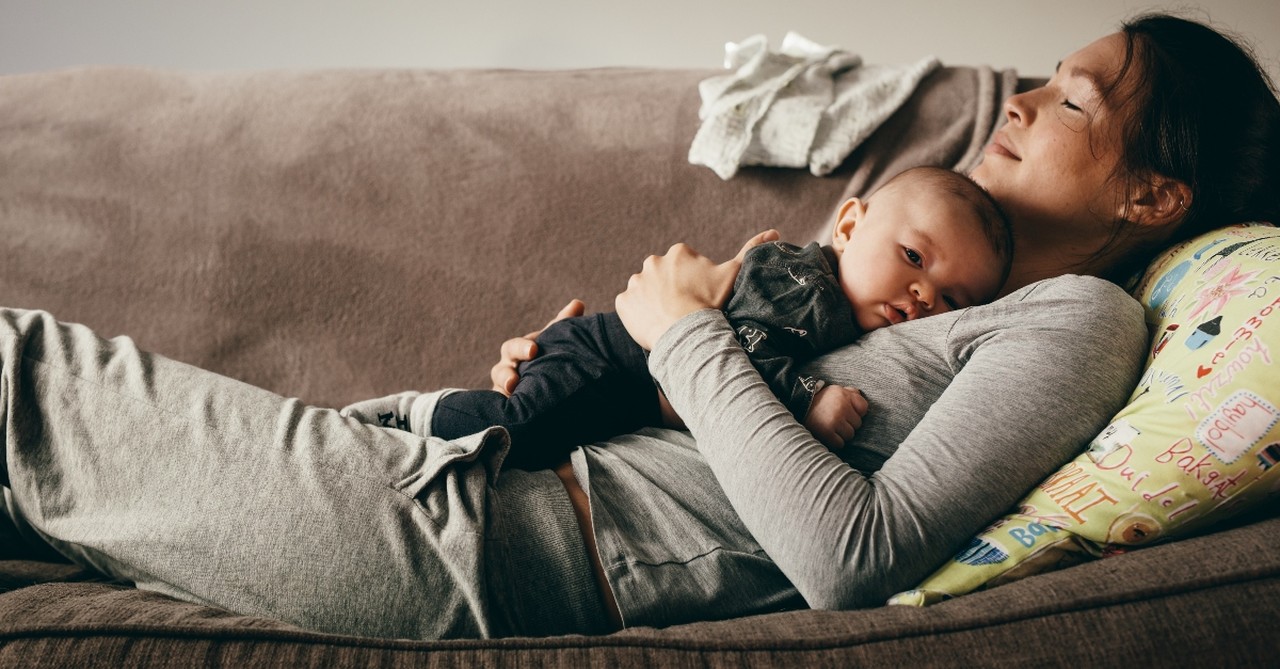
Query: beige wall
point(1030, 35)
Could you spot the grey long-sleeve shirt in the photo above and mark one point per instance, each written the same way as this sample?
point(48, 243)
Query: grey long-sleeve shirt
point(968, 411)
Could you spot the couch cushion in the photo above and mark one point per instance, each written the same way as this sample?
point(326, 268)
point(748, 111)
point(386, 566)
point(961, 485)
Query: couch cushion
point(1150, 607)
point(1195, 444)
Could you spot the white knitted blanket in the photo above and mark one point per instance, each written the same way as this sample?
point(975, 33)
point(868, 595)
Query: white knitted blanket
point(805, 104)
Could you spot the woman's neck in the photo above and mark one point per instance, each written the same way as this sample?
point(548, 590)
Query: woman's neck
point(1025, 273)
point(1040, 256)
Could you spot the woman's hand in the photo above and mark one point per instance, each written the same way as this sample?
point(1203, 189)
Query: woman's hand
point(676, 284)
point(522, 349)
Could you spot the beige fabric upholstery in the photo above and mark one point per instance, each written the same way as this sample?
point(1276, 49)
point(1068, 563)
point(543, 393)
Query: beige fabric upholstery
point(335, 235)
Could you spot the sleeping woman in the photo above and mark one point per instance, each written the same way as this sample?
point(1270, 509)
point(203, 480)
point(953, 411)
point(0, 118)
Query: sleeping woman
point(203, 488)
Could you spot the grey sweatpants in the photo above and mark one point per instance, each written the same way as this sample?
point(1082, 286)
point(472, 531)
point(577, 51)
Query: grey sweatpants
point(212, 491)
point(207, 489)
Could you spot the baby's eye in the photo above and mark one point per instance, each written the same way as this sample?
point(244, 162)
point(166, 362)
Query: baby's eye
point(950, 302)
point(912, 256)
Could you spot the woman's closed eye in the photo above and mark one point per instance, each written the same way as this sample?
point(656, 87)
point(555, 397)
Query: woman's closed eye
point(1073, 115)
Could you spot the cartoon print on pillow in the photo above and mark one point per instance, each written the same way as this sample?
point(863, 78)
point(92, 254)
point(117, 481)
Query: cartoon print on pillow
point(1196, 443)
point(1269, 455)
point(1117, 435)
point(1212, 298)
point(1167, 282)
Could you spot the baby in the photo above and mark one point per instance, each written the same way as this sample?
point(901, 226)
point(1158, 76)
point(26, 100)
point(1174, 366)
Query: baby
point(928, 241)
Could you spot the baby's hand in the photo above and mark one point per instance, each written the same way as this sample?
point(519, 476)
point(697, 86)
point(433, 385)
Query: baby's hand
point(835, 414)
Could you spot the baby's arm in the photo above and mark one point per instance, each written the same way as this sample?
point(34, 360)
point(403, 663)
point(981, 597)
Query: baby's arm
point(832, 413)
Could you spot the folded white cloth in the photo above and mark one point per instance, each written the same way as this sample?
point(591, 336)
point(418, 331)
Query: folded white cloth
point(805, 104)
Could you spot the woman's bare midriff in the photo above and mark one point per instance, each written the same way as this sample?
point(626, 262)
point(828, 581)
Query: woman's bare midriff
point(582, 511)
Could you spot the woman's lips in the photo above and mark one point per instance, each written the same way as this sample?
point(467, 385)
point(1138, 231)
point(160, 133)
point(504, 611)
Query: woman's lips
point(1000, 146)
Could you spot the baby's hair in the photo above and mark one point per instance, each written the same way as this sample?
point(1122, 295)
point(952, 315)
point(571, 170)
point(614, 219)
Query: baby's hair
point(995, 223)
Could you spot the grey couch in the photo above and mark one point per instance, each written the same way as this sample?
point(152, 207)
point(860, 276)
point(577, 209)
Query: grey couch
point(336, 235)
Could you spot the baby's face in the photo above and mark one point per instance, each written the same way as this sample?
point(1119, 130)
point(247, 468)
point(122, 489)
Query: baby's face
point(913, 252)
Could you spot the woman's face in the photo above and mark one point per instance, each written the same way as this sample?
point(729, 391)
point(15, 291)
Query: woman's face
point(1051, 165)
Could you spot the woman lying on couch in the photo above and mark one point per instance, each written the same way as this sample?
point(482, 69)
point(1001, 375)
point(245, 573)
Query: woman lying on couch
point(203, 488)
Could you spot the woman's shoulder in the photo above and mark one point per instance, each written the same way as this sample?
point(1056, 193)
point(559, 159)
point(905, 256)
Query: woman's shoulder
point(1085, 310)
point(1068, 285)
point(1074, 292)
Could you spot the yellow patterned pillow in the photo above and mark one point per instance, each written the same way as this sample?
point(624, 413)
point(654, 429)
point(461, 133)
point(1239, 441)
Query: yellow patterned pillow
point(1195, 444)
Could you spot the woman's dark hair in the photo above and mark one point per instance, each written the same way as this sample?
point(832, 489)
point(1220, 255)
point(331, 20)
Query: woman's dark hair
point(1206, 114)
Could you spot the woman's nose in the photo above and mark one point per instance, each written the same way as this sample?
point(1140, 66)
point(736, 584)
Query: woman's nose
point(1018, 108)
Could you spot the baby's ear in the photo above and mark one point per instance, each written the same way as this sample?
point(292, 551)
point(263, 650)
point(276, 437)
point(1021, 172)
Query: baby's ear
point(847, 217)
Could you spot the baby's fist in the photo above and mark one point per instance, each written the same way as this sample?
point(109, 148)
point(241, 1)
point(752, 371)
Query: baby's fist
point(835, 414)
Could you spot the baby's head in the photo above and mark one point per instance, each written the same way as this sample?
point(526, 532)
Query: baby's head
point(928, 241)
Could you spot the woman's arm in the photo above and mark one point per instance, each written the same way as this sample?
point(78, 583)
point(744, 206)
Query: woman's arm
point(504, 374)
point(1035, 377)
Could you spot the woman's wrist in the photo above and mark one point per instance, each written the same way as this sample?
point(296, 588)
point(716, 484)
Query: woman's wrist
point(669, 343)
point(675, 284)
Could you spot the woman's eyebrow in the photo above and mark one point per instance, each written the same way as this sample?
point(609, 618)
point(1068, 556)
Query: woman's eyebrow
point(1077, 71)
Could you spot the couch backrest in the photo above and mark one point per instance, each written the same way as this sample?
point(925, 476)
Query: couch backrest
point(339, 234)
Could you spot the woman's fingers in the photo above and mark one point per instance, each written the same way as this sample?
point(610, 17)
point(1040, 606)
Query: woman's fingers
point(503, 374)
point(668, 287)
point(675, 284)
point(516, 350)
point(766, 236)
point(573, 309)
